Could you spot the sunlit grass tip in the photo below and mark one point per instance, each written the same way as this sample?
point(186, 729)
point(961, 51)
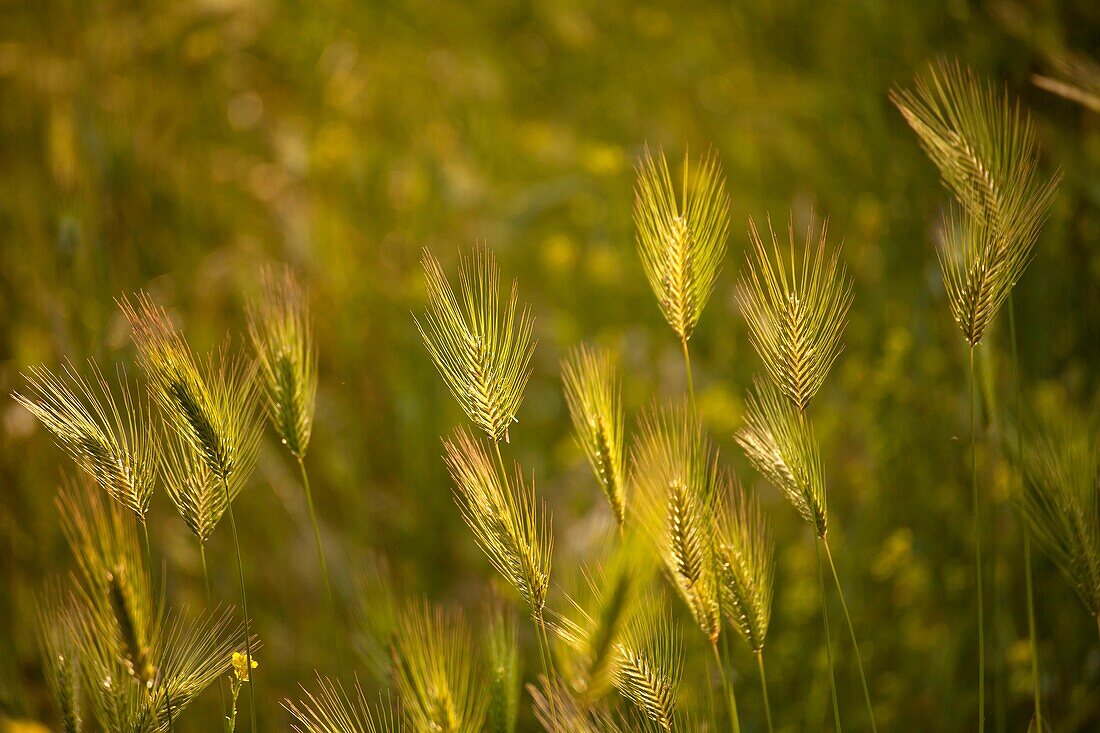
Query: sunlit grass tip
point(281, 330)
point(111, 438)
point(481, 344)
point(592, 393)
point(508, 523)
point(796, 307)
point(681, 236)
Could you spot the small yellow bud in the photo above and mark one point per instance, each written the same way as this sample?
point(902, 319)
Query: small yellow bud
point(240, 666)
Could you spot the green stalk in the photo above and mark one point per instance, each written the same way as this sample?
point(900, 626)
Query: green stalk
point(1028, 585)
point(977, 542)
point(321, 557)
point(210, 609)
point(828, 641)
point(244, 603)
point(690, 381)
point(851, 633)
point(764, 688)
point(731, 697)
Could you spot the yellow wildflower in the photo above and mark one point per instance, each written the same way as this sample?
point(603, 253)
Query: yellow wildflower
point(241, 668)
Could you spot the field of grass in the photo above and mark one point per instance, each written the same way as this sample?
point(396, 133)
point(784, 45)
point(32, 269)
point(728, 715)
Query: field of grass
point(568, 366)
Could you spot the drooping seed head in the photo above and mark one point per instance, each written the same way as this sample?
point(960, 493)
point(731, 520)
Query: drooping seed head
point(115, 444)
point(502, 512)
point(985, 148)
point(780, 444)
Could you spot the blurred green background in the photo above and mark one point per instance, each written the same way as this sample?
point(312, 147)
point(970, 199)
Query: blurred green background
point(177, 147)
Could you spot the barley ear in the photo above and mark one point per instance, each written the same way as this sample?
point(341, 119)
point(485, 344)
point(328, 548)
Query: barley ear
point(59, 643)
point(480, 344)
point(436, 671)
point(113, 442)
point(746, 563)
point(595, 407)
point(649, 666)
point(281, 330)
point(985, 148)
point(508, 523)
point(675, 473)
point(1059, 501)
point(213, 408)
point(681, 240)
point(781, 445)
point(332, 710)
point(795, 309)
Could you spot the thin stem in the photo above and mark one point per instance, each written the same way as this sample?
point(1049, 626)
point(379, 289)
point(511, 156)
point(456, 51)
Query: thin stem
point(828, 641)
point(210, 609)
point(764, 688)
point(206, 576)
point(1098, 625)
point(1028, 585)
point(546, 657)
point(321, 557)
point(852, 633)
point(500, 462)
point(977, 542)
point(731, 697)
point(148, 547)
point(244, 603)
point(690, 381)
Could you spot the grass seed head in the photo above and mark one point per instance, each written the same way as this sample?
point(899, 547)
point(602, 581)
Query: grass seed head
point(481, 346)
point(281, 330)
point(681, 239)
point(796, 311)
point(114, 443)
point(780, 444)
point(595, 406)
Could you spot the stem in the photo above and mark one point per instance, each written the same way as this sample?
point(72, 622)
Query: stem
point(244, 603)
point(148, 547)
point(852, 633)
point(828, 641)
point(546, 657)
point(690, 381)
point(210, 609)
point(321, 556)
point(977, 542)
point(205, 576)
point(731, 697)
point(500, 462)
point(764, 688)
point(1028, 586)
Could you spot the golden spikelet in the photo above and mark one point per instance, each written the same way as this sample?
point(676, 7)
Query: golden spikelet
point(746, 565)
point(332, 710)
point(213, 409)
point(1060, 500)
point(795, 311)
point(113, 443)
point(675, 472)
point(436, 671)
point(649, 666)
point(508, 524)
point(481, 346)
point(281, 330)
point(60, 648)
point(681, 240)
point(781, 445)
point(985, 147)
point(595, 406)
